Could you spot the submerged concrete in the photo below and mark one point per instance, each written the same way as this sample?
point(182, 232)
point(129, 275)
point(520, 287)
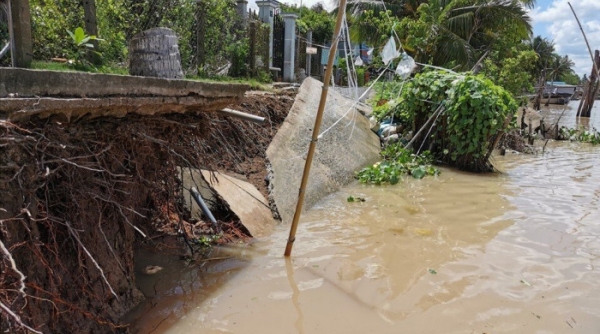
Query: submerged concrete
point(343, 150)
point(27, 93)
point(246, 202)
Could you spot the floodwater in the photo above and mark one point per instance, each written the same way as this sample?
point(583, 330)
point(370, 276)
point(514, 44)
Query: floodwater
point(511, 252)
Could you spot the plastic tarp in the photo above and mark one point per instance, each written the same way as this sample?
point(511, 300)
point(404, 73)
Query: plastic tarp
point(405, 66)
point(390, 51)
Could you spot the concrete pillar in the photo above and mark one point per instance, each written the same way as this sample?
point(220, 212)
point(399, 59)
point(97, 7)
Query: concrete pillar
point(289, 47)
point(242, 10)
point(266, 13)
point(22, 48)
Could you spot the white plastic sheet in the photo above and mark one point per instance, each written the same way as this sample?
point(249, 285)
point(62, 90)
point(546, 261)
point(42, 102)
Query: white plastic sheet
point(405, 66)
point(390, 51)
point(358, 61)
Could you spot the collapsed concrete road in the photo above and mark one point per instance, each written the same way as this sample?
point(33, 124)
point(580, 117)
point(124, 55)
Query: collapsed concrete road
point(341, 151)
point(27, 93)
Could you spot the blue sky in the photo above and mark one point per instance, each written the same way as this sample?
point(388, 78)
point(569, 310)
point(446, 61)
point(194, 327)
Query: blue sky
point(554, 20)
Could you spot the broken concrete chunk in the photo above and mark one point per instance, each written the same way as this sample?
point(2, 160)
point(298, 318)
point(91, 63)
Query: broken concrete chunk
point(244, 200)
point(343, 150)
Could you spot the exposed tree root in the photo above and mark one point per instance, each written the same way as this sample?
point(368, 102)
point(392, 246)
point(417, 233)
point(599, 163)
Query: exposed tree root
point(74, 196)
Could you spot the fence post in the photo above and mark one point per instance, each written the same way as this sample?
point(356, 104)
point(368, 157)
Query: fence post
point(289, 47)
point(266, 13)
point(22, 48)
point(308, 56)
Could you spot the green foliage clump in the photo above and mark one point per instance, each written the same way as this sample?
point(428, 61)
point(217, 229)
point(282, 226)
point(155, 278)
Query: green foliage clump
point(49, 19)
point(476, 112)
point(239, 55)
point(360, 77)
point(397, 161)
point(512, 72)
point(385, 101)
point(580, 134)
point(315, 19)
point(81, 47)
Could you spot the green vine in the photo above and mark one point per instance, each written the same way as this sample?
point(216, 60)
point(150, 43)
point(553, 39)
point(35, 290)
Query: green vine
point(476, 112)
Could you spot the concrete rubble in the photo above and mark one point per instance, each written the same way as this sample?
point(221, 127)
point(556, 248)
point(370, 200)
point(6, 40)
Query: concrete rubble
point(343, 150)
point(248, 204)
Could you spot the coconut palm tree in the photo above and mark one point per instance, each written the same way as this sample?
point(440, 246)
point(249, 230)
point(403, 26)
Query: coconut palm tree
point(446, 32)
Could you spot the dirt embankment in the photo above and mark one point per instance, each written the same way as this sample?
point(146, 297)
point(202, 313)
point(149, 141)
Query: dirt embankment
point(75, 197)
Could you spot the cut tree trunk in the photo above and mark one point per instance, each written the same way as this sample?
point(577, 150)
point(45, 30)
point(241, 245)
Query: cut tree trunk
point(154, 53)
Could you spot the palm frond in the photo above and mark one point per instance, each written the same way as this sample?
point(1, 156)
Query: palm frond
point(453, 47)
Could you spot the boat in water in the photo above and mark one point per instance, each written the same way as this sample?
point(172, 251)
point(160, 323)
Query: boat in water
point(558, 92)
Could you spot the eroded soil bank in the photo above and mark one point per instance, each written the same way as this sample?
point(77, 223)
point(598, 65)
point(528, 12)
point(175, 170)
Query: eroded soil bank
point(76, 198)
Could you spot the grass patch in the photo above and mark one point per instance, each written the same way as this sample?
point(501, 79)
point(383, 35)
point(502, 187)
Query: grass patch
point(115, 69)
point(66, 67)
point(253, 83)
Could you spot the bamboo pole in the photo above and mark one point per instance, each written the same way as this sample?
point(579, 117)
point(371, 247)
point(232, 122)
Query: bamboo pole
point(316, 128)
point(586, 41)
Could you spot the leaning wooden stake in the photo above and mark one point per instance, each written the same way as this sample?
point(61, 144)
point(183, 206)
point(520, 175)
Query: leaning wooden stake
point(586, 40)
point(587, 102)
point(316, 128)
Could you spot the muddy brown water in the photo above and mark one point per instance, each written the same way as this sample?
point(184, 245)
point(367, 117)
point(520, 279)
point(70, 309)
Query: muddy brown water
point(511, 252)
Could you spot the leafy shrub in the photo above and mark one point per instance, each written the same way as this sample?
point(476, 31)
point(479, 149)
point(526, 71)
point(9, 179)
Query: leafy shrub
point(360, 77)
point(81, 47)
point(386, 101)
point(48, 22)
point(238, 53)
point(397, 161)
point(476, 112)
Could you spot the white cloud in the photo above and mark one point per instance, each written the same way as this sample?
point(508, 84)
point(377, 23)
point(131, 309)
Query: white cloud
point(562, 28)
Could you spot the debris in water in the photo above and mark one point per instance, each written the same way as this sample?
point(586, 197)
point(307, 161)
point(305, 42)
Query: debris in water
point(355, 199)
point(424, 232)
point(525, 282)
point(151, 270)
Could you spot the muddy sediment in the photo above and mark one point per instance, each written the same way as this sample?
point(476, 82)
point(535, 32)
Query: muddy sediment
point(77, 197)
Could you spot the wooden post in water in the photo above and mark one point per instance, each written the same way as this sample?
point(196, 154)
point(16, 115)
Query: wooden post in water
point(589, 95)
point(587, 101)
point(316, 128)
point(541, 86)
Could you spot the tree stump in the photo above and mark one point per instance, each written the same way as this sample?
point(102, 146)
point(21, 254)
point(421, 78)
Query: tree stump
point(154, 53)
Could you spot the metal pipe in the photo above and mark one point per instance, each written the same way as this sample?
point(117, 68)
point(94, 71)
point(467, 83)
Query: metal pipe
point(205, 209)
point(4, 50)
point(315, 134)
point(241, 115)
